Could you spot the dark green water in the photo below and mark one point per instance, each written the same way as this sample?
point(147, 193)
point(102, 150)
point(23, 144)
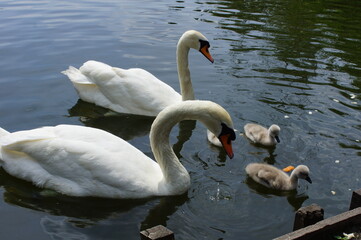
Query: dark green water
point(294, 63)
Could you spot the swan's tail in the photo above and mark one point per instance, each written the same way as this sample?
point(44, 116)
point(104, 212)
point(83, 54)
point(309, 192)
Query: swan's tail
point(76, 76)
point(3, 132)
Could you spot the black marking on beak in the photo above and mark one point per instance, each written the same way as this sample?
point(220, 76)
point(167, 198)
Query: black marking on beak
point(226, 137)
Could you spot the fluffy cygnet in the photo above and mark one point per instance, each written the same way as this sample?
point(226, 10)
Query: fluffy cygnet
point(275, 178)
point(259, 134)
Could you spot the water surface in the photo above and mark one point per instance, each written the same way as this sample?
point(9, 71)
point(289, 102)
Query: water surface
point(294, 63)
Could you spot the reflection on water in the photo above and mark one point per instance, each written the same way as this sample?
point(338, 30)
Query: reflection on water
point(294, 199)
point(125, 126)
point(26, 195)
point(83, 212)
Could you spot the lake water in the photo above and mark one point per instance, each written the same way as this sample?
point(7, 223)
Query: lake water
point(294, 63)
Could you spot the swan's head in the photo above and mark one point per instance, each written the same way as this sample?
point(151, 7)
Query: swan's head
point(274, 131)
point(219, 122)
point(212, 115)
point(196, 40)
point(302, 172)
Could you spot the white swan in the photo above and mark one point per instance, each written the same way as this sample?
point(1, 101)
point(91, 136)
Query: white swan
point(275, 178)
point(135, 90)
point(261, 135)
point(84, 161)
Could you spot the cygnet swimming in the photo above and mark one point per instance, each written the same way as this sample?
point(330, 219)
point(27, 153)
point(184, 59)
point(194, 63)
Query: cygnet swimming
point(275, 178)
point(261, 135)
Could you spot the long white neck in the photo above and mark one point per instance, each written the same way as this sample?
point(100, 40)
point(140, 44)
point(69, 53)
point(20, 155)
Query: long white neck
point(183, 71)
point(176, 178)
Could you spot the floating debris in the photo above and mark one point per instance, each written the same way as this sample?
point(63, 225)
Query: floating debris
point(333, 192)
point(354, 103)
point(337, 161)
point(310, 112)
point(349, 236)
point(336, 100)
point(352, 96)
point(346, 236)
point(286, 116)
point(288, 169)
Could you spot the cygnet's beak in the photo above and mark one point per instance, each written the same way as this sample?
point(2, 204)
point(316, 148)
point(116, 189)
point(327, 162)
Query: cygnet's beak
point(277, 139)
point(308, 179)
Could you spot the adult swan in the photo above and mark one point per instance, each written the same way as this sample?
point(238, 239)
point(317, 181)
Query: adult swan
point(84, 161)
point(135, 90)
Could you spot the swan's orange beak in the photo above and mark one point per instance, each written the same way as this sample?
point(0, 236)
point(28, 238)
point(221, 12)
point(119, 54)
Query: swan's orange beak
point(204, 50)
point(227, 144)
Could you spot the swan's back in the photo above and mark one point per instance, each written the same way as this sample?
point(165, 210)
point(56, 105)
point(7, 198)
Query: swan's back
point(79, 161)
point(134, 91)
point(255, 132)
point(269, 176)
point(261, 135)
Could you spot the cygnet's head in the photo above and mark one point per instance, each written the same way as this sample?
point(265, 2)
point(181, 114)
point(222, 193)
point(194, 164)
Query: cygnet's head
point(303, 172)
point(274, 131)
point(196, 40)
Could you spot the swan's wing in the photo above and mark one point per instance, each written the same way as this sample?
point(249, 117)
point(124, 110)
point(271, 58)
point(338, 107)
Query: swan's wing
point(134, 91)
point(266, 177)
point(79, 161)
point(273, 179)
point(86, 89)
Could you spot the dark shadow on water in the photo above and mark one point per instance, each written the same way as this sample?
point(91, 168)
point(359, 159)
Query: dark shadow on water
point(222, 155)
point(24, 194)
point(185, 132)
point(160, 213)
point(126, 126)
point(271, 158)
point(294, 199)
point(88, 210)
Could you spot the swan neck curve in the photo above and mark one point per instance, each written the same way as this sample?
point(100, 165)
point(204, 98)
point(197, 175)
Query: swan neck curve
point(176, 177)
point(184, 75)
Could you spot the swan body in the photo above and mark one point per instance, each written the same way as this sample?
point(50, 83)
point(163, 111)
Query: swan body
point(135, 90)
point(275, 178)
point(261, 135)
point(84, 161)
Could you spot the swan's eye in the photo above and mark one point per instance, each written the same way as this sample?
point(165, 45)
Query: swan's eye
point(204, 44)
point(228, 131)
point(204, 49)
